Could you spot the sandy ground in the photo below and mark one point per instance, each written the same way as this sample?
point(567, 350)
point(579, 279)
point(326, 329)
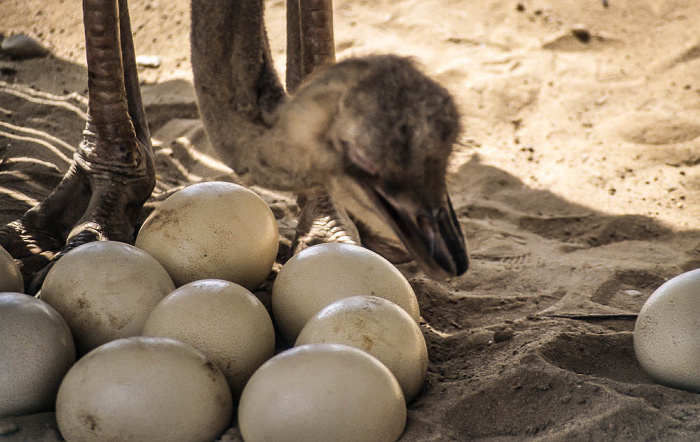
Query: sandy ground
point(575, 179)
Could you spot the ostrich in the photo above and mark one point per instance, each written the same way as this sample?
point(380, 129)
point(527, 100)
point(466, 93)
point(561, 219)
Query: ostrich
point(363, 142)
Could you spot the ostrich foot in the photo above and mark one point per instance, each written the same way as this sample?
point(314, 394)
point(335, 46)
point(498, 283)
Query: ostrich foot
point(322, 220)
point(89, 204)
point(112, 174)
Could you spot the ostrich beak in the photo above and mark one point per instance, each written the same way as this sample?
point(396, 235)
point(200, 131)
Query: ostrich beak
point(430, 231)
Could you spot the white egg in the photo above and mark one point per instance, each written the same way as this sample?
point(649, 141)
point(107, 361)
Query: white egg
point(36, 351)
point(667, 333)
point(325, 273)
point(143, 389)
point(322, 392)
point(10, 276)
point(223, 320)
point(105, 290)
point(379, 327)
point(213, 230)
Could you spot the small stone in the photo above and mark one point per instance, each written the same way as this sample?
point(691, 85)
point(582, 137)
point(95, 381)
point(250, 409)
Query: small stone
point(279, 210)
point(7, 427)
point(22, 46)
point(581, 33)
point(504, 334)
point(148, 61)
point(633, 293)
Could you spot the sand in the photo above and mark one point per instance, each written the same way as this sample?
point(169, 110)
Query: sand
point(575, 179)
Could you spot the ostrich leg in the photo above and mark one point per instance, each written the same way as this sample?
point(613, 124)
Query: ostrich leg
point(310, 46)
point(112, 174)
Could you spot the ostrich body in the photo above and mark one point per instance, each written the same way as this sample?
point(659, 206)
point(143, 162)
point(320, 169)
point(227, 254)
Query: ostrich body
point(368, 136)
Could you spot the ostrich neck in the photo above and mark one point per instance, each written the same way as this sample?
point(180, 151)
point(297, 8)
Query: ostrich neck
point(239, 93)
point(290, 156)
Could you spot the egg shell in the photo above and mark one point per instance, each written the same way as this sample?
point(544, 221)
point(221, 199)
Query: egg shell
point(223, 320)
point(213, 230)
point(667, 333)
point(36, 351)
point(105, 290)
point(379, 327)
point(325, 273)
point(322, 392)
point(10, 276)
point(143, 389)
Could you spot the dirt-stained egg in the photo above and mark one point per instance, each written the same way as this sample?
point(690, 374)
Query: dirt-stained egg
point(143, 389)
point(379, 327)
point(213, 230)
point(36, 351)
point(223, 320)
point(325, 273)
point(667, 333)
point(10, 276)
point(322, 392)
point(105, 290)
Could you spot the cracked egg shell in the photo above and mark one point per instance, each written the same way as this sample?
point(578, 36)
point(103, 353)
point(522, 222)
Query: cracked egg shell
point(213, 230)
point(379, 327)
point(667, 333)
point(36, 351)
point(325, 273)
point(105, 290)
point(143, 389)
point(223, 320)
point(322, 392)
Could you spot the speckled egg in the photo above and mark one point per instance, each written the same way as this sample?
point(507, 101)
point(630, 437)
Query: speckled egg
point(322, 392)
point(325, 273)
point(10, 277)
point(213, 230)
point(223, 320)
point(143, 389)
point(667, 333)
point(379, 327)
point(105, 290)
point(36, 351)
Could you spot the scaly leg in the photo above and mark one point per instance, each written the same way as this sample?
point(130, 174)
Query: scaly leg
point(112, 174)
point(310, 45)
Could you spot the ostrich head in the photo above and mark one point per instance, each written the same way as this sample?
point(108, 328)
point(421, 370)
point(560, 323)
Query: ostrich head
point(374, 131)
